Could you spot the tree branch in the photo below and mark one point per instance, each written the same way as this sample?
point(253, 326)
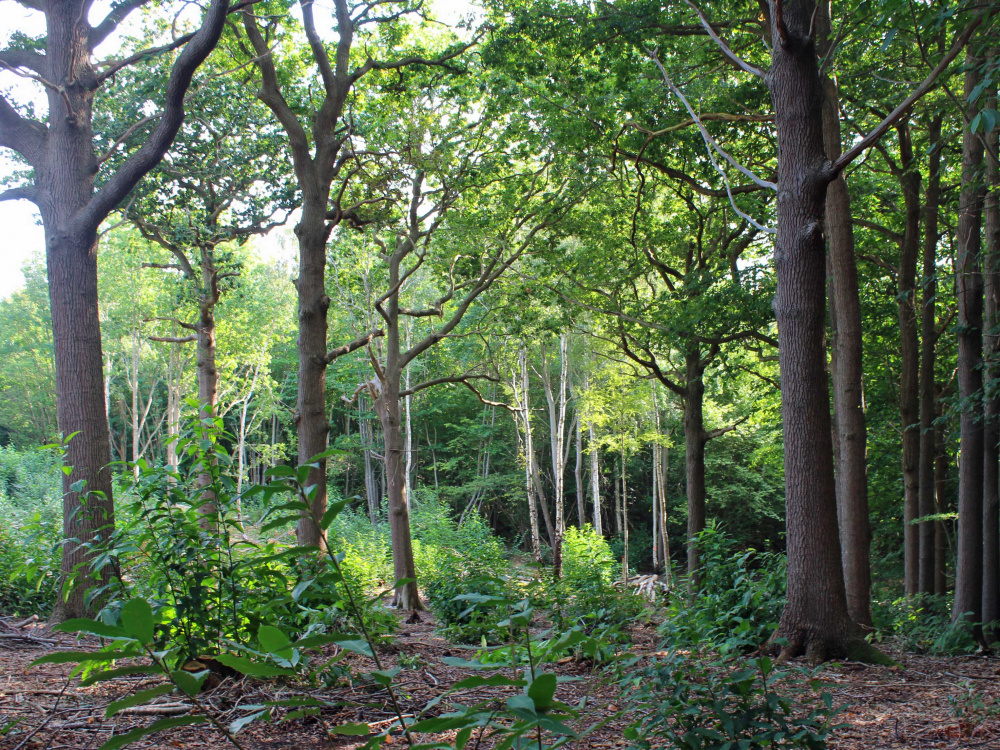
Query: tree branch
point(150, 153)
point(19, 134)
point(23, 58)
point(27, 193)
point(743, 64)
point(926, 85)
point(175, 339)
point(115, 16)
point(720, 431)
point(340, 351)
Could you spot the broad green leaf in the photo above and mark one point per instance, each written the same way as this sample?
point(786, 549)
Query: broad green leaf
point(273, 641)
point(137, 620)
point(352, 730)
point(238, 724)
point(188, 682)
point(92, 627)
point(137, 699)
point(358, 647)
point(111, 674)
point(252, 668)
point(157, 726)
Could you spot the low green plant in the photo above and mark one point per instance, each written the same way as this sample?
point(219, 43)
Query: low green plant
point(469, 605)
point(971, 708)
point(699, 704)
point(738, 604)
point(923, 625)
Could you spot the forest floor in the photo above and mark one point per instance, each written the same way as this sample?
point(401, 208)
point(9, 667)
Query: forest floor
point(926, 702)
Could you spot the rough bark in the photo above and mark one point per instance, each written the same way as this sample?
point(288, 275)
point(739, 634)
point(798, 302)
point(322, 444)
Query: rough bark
point(695, 439)
point(928, 349)
point(909, 357)
point(815, 620)
point(63, 159)
point(969, 286)
point(991, 397)
point(581, 508)
point(849, 431)
point(595, 478)
point(523, 405)
point(941, 466)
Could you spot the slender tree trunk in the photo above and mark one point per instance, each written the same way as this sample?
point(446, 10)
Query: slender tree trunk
point(523, 404)
point(408, 445)
point(849, 431)
point(991, 398)
point(595, 478)
point(941, 465)
point(665, 546)
point(208, 375)
point(815, 619)
point(969, 283)
point(581, 512)
point(928, 348)
point(695, 439)
point(909, 360)
point(313, 303)
point(624, 516)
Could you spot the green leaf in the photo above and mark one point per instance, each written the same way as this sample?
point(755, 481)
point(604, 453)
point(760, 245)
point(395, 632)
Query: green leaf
point(332, 511)
point(279, 471)
point(68, 657)
point(189, 683)
point(455, 661)
point(238, 724)
point(92, 627)
point(111, 674)
point(273, 641)
point(252, 668)
point(137, 699)
point(521, 702)
point(137, 620)
point(157, 726)
point(384, 677)
point(358, 647)
point(352, 730)
point(541, 690)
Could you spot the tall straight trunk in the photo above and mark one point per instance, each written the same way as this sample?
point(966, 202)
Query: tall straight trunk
point(909, 358)
point(595, 478)
point(849, 432)
point(928, 349)
point(618, 501)
point(665, 543)
point(941, 505)
point(208, 374)
point(695, 439)
point(408, 444)
point(557, 440)
point(624, 515)
point(991, 398)
point(523, 403)
point(88, 516)
point(815, 619)
point(371, 486)
point(969, 286)
point(310, 413)
point(581, 512)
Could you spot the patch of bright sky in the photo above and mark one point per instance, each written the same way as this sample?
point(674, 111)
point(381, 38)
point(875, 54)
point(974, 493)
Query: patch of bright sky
point(19, 220)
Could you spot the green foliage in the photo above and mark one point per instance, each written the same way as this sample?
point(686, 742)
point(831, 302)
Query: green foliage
point(692, 704)
point(923, 625)
point(738, 604)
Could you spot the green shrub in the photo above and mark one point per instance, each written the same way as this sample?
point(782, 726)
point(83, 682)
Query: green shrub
point(739, 603)
point(692, 704)
point(923, 625)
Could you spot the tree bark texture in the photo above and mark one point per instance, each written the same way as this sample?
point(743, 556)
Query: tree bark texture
point(815, 620)
point(695, 439)
point(849, 432)
point(991, 395)
point(928, 350)
point(909, 357)
point(969, 286)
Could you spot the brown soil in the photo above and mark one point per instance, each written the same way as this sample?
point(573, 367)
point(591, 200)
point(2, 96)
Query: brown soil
point(919, 705)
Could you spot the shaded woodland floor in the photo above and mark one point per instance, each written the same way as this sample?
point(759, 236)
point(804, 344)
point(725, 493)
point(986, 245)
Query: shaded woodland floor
point(924, 703)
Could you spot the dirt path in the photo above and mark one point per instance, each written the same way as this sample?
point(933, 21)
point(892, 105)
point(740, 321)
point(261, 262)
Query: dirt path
point(926, 703)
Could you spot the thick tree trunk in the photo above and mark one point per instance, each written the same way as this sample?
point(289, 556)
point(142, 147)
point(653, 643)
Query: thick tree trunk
point(88, 515)
point(909, 358)
point(310, 415)
point(928, 348)
point(991, 398)
point(850, 433)
point(695, 439)
point(815, 620)
point(969, 285)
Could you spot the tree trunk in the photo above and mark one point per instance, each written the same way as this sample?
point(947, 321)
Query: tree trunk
point(208, 375)
point(969, 286)
point(928, 348)
point(694, 460)
point(523, 405)
point(595, 479)
point(849, 431)
point(581, 512)
point(313, 304)
point(815, 620)
point(941, 465)
point(88, 515)
point(991, 398)
point(909, 359)
point(624, 516)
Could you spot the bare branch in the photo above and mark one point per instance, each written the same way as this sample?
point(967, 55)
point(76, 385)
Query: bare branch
point(365, 340)
point(23, 58)
point(175, 339)
point(27, 193)
point(19, 134)
point(125, 136)
point(743, 64)
point(899, 112)
point(719, 432)
point(150, 153)
point(181, 323)
point(115, 16)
